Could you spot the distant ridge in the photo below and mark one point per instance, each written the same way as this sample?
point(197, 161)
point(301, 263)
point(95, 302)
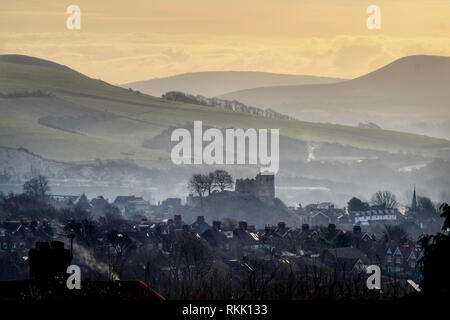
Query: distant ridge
point(215, 83)
point(414, 88)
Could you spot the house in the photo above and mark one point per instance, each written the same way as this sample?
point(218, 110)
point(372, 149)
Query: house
point(170, 204)
point(345, 259)
point(402, 258)
point(330, 233)
point(345, 221)
point(132, 205)
point(21, 235)
point(375, 215)
point(215, 236)
point(241, 239)
point(281, 229)
point(13, 236)
point(62, 201)
point(319, 219)
point(82, 203)
point(245, 236)
point(200, 226)
point(99, 206)
point(178, 221)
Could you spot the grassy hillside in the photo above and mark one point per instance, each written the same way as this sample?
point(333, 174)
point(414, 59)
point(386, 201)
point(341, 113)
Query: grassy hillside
point(109, 122)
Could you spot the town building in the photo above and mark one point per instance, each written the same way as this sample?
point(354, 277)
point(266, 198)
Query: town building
point(132, 205)
point(263, 186)
point(375, 215)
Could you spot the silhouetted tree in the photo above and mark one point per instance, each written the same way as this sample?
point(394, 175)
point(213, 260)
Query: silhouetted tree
point(37, 187)
point(356, 204)
point(435, 264)
point(426, 208)
point(86, 231)
point(223, 180)
point(200, 183)
point(14, 206)
point(384, 200)
point(209, 182)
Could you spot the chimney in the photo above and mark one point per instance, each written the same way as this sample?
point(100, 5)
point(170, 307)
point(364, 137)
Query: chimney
point(48, 262)
point(216, 225)
point(331, 227)
point(242, 225)
point(200, 219)
point(305, 226)
point(357, 229)
point(281, 225)
point(267, 228)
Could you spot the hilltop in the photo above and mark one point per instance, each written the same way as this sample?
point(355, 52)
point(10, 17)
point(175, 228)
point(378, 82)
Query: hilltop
point(215, 83)
point(246, 207)
point(410, 89)
point(85, 119)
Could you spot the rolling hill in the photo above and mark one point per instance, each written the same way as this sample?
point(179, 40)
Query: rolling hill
point(215, 83)
point(414, 88)
point(60, 114)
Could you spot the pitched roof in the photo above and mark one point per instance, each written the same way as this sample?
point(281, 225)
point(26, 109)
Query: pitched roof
point(125, 199)
point(347, 253)
point(200, 227)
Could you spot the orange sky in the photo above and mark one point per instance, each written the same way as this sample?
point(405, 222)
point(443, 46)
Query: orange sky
point(129, 40)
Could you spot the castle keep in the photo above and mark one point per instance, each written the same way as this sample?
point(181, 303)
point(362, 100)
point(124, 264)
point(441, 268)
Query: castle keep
point(263, 186)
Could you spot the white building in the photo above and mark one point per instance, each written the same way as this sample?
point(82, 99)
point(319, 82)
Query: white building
point(367, 216)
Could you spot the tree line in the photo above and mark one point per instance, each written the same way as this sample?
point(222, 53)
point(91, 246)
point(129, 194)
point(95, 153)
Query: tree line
point(223, 104)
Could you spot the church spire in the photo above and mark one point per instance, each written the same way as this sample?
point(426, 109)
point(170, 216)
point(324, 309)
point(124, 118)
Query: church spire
point(414, 201)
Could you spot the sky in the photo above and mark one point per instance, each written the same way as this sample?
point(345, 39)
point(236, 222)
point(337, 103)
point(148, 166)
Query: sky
point(131, 40)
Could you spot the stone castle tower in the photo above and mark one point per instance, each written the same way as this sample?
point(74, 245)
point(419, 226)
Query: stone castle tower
point(263, 186)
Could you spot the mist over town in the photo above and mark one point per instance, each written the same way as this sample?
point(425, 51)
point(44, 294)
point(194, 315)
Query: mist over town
point(212, 152)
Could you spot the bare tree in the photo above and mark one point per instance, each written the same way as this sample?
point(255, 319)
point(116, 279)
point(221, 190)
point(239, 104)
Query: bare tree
point(384, 200)
point(209, 182)
point(223, 180)
point(37, 187)
point(200, 183)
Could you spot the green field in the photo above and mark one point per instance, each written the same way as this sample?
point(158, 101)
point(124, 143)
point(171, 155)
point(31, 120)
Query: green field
point(134, 118)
